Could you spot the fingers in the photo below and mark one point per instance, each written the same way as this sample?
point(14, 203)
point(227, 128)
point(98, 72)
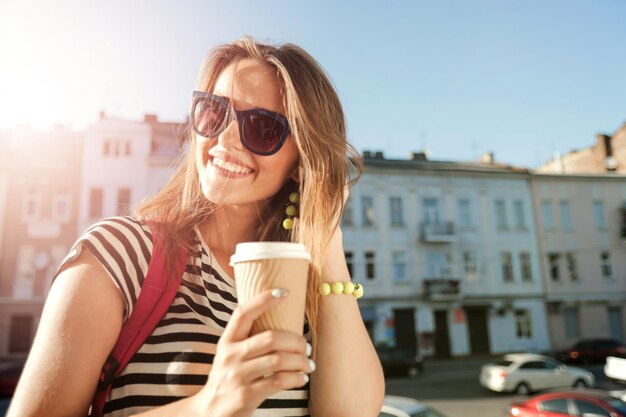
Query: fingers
point(275, 363)
point(241, 321)
point(279, 382)
point(273, 341)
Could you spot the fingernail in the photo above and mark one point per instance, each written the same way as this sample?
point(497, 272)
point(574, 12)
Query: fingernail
point(311, 365)
point(306, 378)
point(309, 349)
point(280, 292)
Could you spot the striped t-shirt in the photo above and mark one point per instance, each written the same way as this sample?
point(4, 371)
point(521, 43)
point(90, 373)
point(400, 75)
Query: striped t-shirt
point(175, 360)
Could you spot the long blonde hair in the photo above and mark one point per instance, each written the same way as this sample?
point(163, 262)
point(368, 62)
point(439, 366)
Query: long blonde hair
point(326, 164)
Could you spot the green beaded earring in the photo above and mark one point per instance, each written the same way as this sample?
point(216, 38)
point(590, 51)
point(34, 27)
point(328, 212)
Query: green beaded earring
point(291, 210)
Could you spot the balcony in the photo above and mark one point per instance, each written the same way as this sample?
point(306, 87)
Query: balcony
point(442, 232)
point(442, 289)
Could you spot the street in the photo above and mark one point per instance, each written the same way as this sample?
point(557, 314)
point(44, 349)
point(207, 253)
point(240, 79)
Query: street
point(451, 386)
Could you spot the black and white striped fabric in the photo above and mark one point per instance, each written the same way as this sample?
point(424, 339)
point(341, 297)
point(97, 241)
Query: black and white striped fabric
point(174, 362)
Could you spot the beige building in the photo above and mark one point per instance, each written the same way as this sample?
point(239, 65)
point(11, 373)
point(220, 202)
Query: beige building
point(580, 225)
point(53, 185)
point(608, 154)
point(42, 176)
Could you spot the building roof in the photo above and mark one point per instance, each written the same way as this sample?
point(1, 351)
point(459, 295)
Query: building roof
point(419, 161)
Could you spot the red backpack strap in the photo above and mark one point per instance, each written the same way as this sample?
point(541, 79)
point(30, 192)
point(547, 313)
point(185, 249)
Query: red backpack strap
point(156, 296)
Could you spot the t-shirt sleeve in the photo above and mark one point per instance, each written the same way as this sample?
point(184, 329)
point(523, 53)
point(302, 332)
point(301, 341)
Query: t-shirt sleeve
point(123, 245)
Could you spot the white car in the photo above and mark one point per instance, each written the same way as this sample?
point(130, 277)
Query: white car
point(524, 373)
point(406, 407)
point(615, 368)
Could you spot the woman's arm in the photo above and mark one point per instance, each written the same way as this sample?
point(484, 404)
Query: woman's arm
point(348, 381)
point(79, 325)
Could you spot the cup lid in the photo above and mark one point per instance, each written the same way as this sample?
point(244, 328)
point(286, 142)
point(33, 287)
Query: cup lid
point(250, 251)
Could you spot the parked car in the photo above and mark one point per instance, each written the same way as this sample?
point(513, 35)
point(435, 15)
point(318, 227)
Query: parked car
point(406, 407)
point(10, 372)
point(584, 403)
point(615, 367)
point(524, 373)
point(591, 350)
point(400, 361)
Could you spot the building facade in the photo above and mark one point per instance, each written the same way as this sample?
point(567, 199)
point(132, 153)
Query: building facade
point(39, 188)
point(127, 161)
point(448, 254)
point(580, 226)
point(54, 185)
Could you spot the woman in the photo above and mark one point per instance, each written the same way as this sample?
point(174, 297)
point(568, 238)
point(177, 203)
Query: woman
point(266, 123)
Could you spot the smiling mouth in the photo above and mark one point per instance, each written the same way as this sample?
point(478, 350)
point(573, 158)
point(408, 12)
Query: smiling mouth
point(229, 169)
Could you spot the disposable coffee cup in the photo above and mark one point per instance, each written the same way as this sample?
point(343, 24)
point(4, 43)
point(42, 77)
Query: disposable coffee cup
point(262, 266)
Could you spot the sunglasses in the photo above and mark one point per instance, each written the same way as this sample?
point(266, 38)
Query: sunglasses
point(262, 132)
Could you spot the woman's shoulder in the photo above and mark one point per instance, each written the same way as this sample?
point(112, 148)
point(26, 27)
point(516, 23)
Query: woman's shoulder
point(123, 246)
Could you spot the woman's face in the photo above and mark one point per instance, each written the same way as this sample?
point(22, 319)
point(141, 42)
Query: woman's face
point(229, 173)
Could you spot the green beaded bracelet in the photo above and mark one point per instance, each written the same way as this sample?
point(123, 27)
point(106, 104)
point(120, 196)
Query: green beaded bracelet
point(340, 287)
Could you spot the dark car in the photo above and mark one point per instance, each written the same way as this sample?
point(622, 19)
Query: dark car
point(591, 350)
point(400, 361)
point(10, 371)
point(570, 403)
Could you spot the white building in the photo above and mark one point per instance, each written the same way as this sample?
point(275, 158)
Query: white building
point(124, 162)
point(448, 256)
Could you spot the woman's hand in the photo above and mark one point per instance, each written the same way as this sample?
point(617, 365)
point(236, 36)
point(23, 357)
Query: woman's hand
point(246, 370)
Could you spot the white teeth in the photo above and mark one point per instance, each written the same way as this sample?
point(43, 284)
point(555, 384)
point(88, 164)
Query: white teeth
point(230, 166)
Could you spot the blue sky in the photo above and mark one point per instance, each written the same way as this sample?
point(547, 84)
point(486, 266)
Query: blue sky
point(523, 79)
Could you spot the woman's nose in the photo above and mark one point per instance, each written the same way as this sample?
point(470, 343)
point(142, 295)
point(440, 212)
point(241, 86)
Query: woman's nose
point(230, 138)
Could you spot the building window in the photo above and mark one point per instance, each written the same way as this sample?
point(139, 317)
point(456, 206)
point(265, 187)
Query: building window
point(566, 219)
point(346, 217)
point(523, 324)
point(127, 148)
point(554, 259)
point(501, 221)
point(349, 262)
point(616, 324)
point(430, 207)
point(370, 272)
point(525, 266)
point(367, 211)
point(598, 215)
point(520, 219)
point(572, 267)
point(20, 333)
point(106, 147)
point(398, 259)
point(61, 207)
point(546, 215)
point(470, 265)
point(572, 323)
point(31, 206)
point(605, 266)
point(123, 201)
point(507, 266)
point(95, 203)
point(395, 211)
point(465, 214)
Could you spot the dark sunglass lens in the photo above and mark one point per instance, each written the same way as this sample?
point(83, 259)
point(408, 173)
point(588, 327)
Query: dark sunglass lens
point(208, 116)
point(262, 132)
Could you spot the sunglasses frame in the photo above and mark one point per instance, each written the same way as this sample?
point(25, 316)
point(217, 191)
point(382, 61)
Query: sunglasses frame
point(241, 116)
